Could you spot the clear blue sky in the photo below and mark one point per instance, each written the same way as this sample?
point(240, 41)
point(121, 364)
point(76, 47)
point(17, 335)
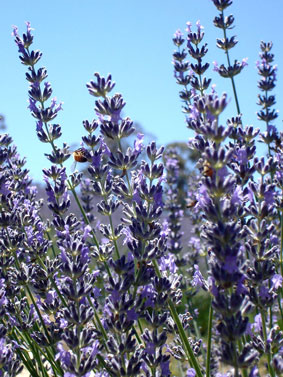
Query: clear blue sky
point(132, 40)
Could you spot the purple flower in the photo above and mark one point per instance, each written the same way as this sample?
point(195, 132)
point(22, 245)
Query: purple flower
point(189, 27)
point(158, 198)
point(168, 263)
point(257, 325)
point(85, 255)
point(4, 188)
point(202, 197)
point(171, 163)
point(139, 179)
point(195, 243)
point(96, 160)
point(4, 351)
point(165, 229)
point(191, 372)
point(277, 281)
point(132, 315)
point(178, 34)
point(104, 148)
point(237, 196)
point(269, 196)
point(56, 107)
point(32, 105)
point(29, 28)
point(254, 372)
point(230, 264)
point(197, 278)
point(87, 230)
point(242, 156)
point(165, 368)
point(212, 286)
point(264, 292)
point(194, 113)
point(63, 355)
point(149, 294)
point(244, 62)
point(216, 66)
point(138, 144)
point(15, 31)
point(128, 235)
point(115, 295)
point(150, 348)
point(96, 292)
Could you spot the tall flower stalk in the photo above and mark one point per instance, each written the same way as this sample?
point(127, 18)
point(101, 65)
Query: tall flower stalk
point(226, 44)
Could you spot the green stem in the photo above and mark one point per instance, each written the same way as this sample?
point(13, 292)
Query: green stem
point(208, 357)
point(39, 315)
point(269, 358)
point(184, 338)
point(232, 78)
point(235, 360)
point(29, 364)
point(50, 239)
point(111, 225)
point(104, 334)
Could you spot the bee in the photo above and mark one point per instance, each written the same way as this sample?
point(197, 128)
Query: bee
point(152, 225)
point(143, 264)
point(80, 155)
point(191, 203)
point(207, 170)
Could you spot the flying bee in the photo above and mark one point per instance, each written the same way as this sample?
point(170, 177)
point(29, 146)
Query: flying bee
point(80, 155)
point(191, 203)
point(207, 170)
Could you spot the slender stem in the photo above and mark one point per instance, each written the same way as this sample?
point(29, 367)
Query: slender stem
point(266, 122)
point(269, 358)
point(29, 364)
point(111, 224)
point(208, 357)
point(127, 176)
point(39, 315)
point(232, 78)
point(187, 348)
point(236, 360)
point(50, 239)
point(104, 334)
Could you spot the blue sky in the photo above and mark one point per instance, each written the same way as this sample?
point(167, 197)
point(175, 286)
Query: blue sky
point(132, 40)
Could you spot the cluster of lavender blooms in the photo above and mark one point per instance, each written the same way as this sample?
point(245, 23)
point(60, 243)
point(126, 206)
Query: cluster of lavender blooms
point(97, 299)
point(239, 204)
point(82, 297)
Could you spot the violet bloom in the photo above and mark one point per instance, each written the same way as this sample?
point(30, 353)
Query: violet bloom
point(191, 372)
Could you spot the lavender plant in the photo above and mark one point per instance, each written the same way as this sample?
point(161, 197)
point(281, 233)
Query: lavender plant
point(228, 186)
point(114, 291)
